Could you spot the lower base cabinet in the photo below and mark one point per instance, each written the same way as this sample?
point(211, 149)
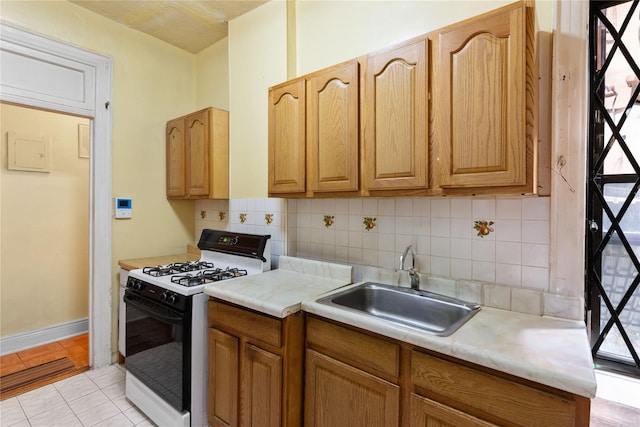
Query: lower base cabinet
point(340, 395)
point(355, 378)
point(358, 378)
point(428, 413)
point(255, 368)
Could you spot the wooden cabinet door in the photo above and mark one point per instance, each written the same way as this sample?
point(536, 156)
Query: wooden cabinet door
point(197, 140)
point(337, 394)
point(261, 388)
point(287, 145)
point(176, 160)
point(428, 413)
point(332, 129)
point(222, 405)
point(396, 118)
point(482, 90)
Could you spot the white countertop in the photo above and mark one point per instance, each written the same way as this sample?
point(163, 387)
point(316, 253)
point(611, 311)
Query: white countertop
point(549, 351)
point(280, 292)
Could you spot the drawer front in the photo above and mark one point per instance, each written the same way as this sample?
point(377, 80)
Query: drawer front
point(371, 354)
point(255, 326)
point(511, 402)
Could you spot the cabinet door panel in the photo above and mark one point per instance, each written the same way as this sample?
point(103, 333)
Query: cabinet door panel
point(197, 128)
point(287, 155)
point(396, 119)
point(427, 413)
point(339, 394)
point(483, 102)
point(176, 160)
point(261, 388)
point(332, 129)
point(222, 407)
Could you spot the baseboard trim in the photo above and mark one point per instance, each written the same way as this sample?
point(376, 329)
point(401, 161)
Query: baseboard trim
point(22, 341)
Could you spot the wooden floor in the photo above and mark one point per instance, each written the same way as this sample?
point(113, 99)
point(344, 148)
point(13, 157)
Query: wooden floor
point(75, 349)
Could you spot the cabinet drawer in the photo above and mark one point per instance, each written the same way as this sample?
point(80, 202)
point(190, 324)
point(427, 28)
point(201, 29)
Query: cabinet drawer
point(489, 396)
point(368, 353)
point(256, 326)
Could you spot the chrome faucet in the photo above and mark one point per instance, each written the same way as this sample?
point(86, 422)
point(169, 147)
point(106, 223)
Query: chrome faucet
point(413, 276)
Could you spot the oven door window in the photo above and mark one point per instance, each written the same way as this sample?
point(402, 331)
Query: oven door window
point(158, 347)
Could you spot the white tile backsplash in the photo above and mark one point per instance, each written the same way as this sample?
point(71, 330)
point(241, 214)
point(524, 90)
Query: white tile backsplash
point(508, 268)
point(484, 208)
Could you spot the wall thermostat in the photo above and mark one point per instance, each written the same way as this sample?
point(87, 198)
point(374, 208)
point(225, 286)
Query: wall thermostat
point(122, 207)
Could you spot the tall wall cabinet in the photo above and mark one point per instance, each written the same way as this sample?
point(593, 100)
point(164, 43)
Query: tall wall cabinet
point(449, 112)
point(198, 155)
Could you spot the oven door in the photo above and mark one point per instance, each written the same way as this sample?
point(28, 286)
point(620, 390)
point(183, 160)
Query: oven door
point(158, 348)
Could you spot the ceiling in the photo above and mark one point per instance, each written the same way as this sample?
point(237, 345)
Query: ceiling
point(189, 25)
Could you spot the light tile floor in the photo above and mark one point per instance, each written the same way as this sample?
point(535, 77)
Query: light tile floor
point(93, 398)
point(618, 388)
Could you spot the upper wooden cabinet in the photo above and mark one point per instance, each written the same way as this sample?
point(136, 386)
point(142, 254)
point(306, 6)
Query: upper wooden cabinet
point(314, 133)
point(395, 118)
point(450, 112)
point(287, 145)
point(332, 129)
point(485, 96)
point(198, 155)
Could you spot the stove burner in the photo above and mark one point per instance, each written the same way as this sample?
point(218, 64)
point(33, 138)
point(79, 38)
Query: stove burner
point(177, 267)
point(207, 276)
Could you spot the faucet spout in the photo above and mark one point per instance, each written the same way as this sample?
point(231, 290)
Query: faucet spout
point(413, 276)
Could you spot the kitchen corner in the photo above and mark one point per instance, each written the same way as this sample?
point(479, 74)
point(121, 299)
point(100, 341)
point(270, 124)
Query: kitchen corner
point(500, 366)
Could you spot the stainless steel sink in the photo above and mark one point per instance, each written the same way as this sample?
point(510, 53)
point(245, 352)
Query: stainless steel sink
point(432, 313)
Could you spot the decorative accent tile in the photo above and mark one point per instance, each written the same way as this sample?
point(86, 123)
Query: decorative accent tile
point(268, 218)
point(328, 220)
point(203, 214)
point(369, 223)
point(243, 218)
point(483, 227)
point(222, 215)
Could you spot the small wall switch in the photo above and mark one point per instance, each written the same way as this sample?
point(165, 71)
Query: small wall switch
point(122, 207)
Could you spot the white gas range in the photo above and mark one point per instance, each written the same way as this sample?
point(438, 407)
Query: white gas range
point(166, 325)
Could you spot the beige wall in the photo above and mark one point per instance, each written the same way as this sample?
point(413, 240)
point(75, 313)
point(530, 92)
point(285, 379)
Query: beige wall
point(44, 233)
point(212, 76)
point(257, 60)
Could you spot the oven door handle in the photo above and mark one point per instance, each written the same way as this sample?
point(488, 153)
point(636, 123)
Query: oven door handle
point(148, 307)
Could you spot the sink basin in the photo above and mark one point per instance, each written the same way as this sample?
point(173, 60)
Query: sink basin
point(432, 313)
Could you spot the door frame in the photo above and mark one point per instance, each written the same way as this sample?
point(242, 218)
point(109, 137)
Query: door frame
point(82, 86)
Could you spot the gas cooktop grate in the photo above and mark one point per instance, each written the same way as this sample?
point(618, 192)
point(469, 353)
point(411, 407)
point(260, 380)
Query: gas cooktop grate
point(207, 276)
point(176, 268)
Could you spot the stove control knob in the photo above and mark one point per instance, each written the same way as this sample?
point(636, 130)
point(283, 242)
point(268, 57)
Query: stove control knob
point(171, 299)
point(135, 284)
point(168, 297)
